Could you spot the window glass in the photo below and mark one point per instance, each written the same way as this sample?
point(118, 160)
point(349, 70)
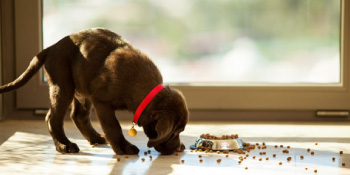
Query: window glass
point(213, 42)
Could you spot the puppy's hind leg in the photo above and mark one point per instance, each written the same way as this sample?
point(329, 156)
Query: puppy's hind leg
point(60, 101)
point(81, 108)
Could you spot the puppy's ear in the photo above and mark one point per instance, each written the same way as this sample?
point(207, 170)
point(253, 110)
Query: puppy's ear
point(164, 127)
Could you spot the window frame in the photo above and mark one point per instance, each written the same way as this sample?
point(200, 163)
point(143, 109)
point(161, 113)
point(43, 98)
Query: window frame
point(238, 97)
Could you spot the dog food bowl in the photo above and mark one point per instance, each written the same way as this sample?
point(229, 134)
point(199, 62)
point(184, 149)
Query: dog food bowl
point(218, 145)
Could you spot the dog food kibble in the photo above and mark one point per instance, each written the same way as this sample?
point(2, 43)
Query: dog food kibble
point(126, 156)
point(280, 163)
point(301, 157)
point(333, 159)
point(288, 147)
point(281, 146)
point(246, 168)
point(253, 157)
point(340, 152)
point(200, 156)
point(150, 157)
point(257, 144)
point(267, 158)
point(312, 153)
point(176, 154)
point(118, 159)
point(200, 160)
point(219, 160)
point(285, 151)
point(182, 161)
point(217, 152)
point(239, 162)
point(259, 147)
point(227, 155)
point(260, 159)
point(274, 155)
point(276, 146)
point(315, 171)
point(343, 164)
point(316, 143)
point(149, 151)
point(305, 168)
point(94, 145)
point(308, 150)
point(143, 159)
point(145, 153)
point(289, 158)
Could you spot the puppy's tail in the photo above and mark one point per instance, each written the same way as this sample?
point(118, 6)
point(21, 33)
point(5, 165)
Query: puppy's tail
point(34, 66)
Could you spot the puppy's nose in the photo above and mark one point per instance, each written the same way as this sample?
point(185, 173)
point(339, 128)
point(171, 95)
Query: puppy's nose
point(181, 147)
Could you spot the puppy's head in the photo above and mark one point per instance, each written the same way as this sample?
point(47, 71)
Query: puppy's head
point(168, 118)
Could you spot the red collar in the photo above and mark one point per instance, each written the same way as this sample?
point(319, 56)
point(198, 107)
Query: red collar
point(146, 101)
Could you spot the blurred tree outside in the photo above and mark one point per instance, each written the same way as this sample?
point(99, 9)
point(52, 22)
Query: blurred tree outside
point(216, 41)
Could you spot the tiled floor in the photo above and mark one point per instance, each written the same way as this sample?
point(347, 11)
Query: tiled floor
point(27, 148)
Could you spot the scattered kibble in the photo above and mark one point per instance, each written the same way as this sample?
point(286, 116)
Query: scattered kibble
point(308, 150)
point(301, 157)
point(305, 168)
point(288, 147)
point(94, 145)
point(260, 159)
point(274, 155)
point(343, 164)
point(219, 160)
point(239, 162)
point(312, 153)
point(143, 159)
point(285, 151)
point(267, 158)
point(280, 163)
point(177, 154)
point(191, 151)
point(200, 160)
point(276, 146)
point(341, 152)
point(149, 151)
point(126, 156)
point(227, 155)
point(145, 153)
point(289, 158)
point(182, 161)
point(316, 143)
point(253, 157)
point(118, 159)
point(333, 159)
point(200, 156)
point(281, 146)
point(315, 171)
point(246, 168)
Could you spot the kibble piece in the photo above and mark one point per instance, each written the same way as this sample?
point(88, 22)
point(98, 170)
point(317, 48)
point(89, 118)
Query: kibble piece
point(315, 171)
point(143, 159)
point(276, 146)
point(267, 158)
point(94, 145)
point(126, 156)
point(149, 151)
point(341, 152)
point(285, 151)
point(200, 160)
point(289, 158)
point(308, 150)
point(195, 150)
point(260, 159)
point(227, 155)
point(301, 157)
point(246, 168)
point(259, 147)
point(316, 143)
point(288, 147)
point(253, 157)
point(191, 151)
point(343, 164)
point(182, 161)
point(274, 155)
point(145, 153)
point(305, 168)
point(312, 153)
point(219, 160)
point(257, 144)
point(281, 146)
point(200, 156)
point(333, 159)
point(280, 163)
point(176, 154)
point(217, 152)
point(118, 159)
point(239, 162)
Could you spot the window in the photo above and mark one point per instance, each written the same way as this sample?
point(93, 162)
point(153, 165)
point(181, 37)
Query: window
point(217, 42)
point(312, 92)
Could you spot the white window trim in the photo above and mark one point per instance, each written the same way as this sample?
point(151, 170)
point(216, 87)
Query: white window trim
point(245, 97)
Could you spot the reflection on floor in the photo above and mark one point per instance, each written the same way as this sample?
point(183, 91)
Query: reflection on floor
point(27, 148)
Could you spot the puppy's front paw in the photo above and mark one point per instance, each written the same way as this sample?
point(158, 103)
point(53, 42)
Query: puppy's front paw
point(128, 149)
point(67, 148)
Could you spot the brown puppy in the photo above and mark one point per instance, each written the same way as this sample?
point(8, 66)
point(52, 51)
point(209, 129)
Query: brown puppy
point(97, 67)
